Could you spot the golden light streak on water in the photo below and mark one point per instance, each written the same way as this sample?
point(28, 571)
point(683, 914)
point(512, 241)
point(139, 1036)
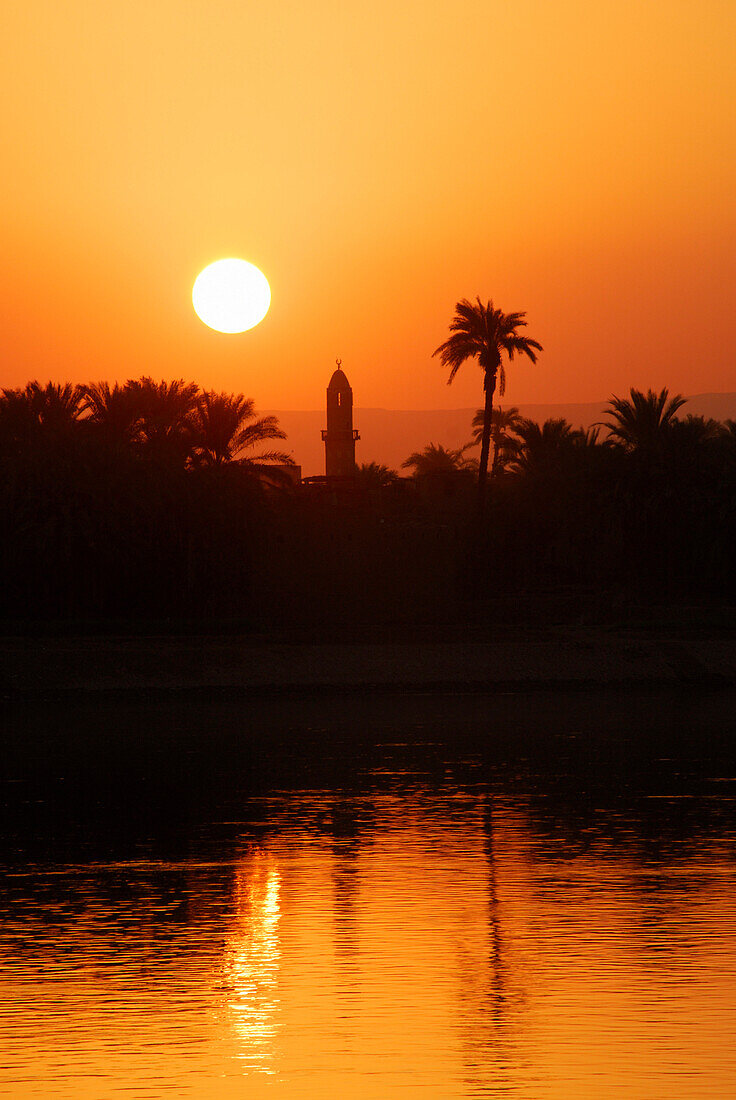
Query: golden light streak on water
point(252, 960)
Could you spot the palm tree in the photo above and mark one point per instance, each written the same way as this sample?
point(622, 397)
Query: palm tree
point(224, 427)
point(543, 445)
point(640, 422)
point(484, 333)
point(18, 421)
point(165, 417)
point(505, 447)
point(51, 405)
point(57, 406)
point(374, 475)
point(697, 444)
point(699, 431)
point(443, 475)
point(438, 461)
point(587, 438)
point(38, 414)
point(115, 410)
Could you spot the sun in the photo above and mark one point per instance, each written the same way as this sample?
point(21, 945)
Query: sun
point(231, 295)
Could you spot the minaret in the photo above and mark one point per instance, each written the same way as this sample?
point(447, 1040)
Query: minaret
point(339, 436)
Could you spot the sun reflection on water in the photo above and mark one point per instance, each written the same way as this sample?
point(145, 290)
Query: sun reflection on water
point(252, 961)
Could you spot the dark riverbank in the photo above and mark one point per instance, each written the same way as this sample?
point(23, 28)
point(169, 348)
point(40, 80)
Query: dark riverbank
point(428, 660)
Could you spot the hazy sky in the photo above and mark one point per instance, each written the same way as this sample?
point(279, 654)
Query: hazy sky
point(378, 160)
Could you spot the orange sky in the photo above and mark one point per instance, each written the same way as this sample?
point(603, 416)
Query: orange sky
point(378, 161)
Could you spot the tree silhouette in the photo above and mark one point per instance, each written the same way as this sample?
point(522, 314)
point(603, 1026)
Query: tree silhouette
point(38, 414)
point(484, 333)
point(373, 475)
point(587, 438)
point(165, 426)
point(640, 422)
point(504, 422)
point(444, 476)
point(438, 461)
point(224, 427)
point(698, 431)
point(116, 411)
point(694, 446)
point(543, 446)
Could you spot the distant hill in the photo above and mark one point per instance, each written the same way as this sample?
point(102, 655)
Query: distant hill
point(390, 435)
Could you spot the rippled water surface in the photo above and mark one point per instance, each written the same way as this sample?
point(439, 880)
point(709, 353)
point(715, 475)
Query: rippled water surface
point(520, 896)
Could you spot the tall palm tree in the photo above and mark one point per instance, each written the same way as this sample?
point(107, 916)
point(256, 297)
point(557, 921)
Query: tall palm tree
point(504, 422)
point(225, 427)
point(640, 422)
point(485, 333)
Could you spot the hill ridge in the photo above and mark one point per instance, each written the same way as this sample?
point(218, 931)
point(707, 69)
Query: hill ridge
point(389, 435)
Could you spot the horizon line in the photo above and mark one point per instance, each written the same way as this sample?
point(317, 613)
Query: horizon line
point(465, 408)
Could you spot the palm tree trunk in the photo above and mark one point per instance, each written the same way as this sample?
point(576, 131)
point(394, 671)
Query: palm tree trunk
point(489, 385)
point(496, 457)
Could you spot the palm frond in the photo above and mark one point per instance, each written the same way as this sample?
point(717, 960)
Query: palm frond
point(480, 331)
point(640, 421)
point(265, 458)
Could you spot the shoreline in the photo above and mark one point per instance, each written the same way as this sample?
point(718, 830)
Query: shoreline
point(564, 657)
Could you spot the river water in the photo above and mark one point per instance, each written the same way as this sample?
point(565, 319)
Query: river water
point(525, 896)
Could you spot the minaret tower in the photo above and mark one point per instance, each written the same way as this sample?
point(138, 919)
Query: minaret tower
point(339, 436)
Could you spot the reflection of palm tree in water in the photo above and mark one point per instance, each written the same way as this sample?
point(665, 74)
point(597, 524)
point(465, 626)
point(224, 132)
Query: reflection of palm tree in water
point(252, 959)
point(484, 986)
point(345, 869)
point(495, 966)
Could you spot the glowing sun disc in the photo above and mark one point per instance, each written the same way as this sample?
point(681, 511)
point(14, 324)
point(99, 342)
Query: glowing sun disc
point(231, 295)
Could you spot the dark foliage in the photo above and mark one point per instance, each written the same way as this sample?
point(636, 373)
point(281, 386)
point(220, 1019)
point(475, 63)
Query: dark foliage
point(115, 511)
point(113, 507)
point(480, 331)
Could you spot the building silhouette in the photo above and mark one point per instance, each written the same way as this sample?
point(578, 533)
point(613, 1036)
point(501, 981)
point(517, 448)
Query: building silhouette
point(339, 435)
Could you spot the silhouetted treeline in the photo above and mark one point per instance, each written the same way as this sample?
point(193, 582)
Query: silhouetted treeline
point(144, 502)
point(141, 500)
point(648, 511)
